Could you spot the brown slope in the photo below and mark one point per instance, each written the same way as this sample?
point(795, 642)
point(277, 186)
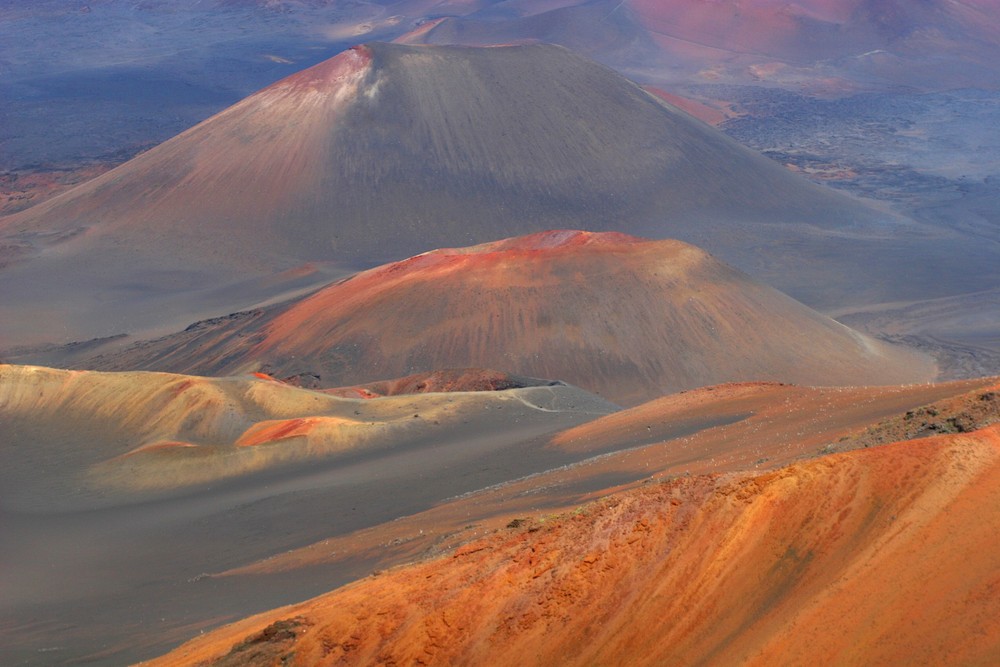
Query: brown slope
point(629, 318)
point(126, 576)
point(386, 150)
point(879, 556)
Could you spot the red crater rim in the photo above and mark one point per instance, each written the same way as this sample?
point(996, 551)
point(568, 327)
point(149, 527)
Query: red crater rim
point(327, 75)
point(550, 240)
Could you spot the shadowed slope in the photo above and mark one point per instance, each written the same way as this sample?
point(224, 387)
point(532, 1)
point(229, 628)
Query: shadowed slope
point(878, 556)
point(388, 149)
point(628, 318)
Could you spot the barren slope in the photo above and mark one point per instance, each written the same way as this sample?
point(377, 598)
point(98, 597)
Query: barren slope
point(879, 556)
point(452, 379)
point(120, 492)
point(387, 150)
point(122, 554)
point(628, 318)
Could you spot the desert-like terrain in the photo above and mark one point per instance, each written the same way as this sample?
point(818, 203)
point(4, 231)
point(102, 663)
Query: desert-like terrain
point(157, 505)
point(499, 332)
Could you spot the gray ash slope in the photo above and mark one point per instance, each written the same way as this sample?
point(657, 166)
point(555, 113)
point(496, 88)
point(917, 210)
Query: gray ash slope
point(388, 150)
point(458, 141)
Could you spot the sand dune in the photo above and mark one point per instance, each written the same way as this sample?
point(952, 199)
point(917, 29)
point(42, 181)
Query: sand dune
point(810, 563)
point(625, 317)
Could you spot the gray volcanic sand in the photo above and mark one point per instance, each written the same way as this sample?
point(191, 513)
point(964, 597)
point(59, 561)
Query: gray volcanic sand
point(114, 576)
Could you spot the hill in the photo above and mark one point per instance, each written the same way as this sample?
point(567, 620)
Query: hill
point(628, 318)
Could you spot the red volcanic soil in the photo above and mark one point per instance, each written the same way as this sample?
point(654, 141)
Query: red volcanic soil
point(701, 111)
point(278, 430)
point(876, 556)
point(99, 446)
point(828, 46)
point(628, 318)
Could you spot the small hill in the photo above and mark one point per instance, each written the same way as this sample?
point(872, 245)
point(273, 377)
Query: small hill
point(629, 318)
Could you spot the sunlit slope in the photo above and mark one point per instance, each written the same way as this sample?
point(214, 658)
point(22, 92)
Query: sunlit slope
point(880, 555)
